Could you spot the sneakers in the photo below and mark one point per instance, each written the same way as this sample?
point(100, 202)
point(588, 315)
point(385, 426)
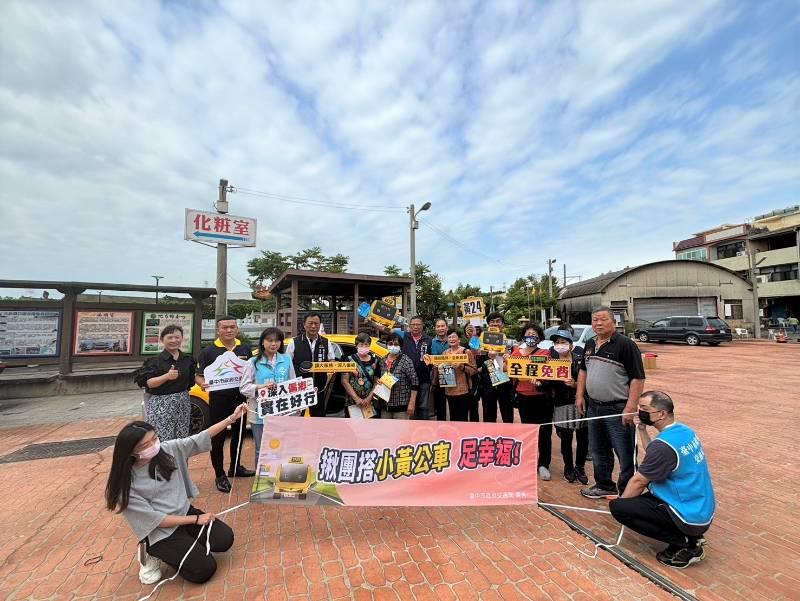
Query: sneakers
point(223, 484)
point(681, 557)
point(150, 570)
point(544, 473)
point(570, 474)
point(595, 492)
point(580, 474)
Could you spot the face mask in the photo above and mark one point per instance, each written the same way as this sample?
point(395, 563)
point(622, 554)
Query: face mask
point(561, 349)
point(362, 352)
point(394, 350)
point(531, 341)
point(150, 451)
point(645, 418)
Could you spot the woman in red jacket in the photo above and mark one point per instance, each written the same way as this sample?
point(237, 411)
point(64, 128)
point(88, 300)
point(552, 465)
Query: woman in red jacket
point(535, 404)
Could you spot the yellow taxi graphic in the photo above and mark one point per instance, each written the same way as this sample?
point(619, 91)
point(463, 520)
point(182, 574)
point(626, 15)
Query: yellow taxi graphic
point(293, 479)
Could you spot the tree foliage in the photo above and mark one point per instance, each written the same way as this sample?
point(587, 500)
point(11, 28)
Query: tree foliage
point(267, 267)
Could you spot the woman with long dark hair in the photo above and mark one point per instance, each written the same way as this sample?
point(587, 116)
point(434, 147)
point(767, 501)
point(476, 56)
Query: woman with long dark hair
point(167, 378)
point(149, 484)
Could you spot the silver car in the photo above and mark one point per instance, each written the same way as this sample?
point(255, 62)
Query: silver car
point(581, 333)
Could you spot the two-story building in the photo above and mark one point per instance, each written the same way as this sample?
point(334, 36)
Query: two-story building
point(774, 241)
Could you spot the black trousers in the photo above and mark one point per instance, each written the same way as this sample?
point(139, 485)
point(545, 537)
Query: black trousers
point(581, 442)
point(198, 566)
point(220, 409)
point(473, 414)
point(538, 409)
point(459, 407)
point(493, 396)
point(649, 515)
point(440, 404)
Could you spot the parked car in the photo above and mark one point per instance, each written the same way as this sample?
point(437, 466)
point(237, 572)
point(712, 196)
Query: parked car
point(693, 329)
point(581, 334)
point(201, 414)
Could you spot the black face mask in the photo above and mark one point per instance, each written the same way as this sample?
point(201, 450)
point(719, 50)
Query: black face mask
point(645, 418)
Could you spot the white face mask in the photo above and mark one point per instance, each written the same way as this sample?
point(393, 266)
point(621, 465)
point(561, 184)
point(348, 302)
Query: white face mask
point(561, 349)
point(150, 452)
point(394, 350)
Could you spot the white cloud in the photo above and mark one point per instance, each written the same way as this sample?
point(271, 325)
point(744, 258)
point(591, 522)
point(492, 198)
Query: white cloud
point(597, 133)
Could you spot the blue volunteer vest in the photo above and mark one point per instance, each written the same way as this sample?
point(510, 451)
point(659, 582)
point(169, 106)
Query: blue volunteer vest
point(688, 490)
point(266, 373)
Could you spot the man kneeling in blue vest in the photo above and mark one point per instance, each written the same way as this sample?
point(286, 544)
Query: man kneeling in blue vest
point(670, 498)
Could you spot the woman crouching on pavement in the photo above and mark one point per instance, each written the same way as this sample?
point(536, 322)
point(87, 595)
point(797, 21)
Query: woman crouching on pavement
point(143, 485)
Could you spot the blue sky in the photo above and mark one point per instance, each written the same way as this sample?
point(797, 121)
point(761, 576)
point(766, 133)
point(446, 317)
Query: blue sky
point(594, 133)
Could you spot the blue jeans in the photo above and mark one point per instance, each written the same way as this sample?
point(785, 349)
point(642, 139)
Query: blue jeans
point(258, 431)
point(608, 437)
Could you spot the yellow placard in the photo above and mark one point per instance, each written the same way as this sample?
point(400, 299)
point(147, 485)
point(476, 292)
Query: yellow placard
point(472, 307)
point(388, 380)
point(533, 368)
point(445, 359)
point(382, 314)
point(332, 367)
point(493, 341)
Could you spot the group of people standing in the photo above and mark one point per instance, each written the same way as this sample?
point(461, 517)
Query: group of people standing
point(670, 497)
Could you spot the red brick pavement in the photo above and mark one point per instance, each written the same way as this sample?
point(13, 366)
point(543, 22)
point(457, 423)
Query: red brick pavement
point(52, 521)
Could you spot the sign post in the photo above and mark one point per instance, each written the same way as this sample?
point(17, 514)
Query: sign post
point(223, 230)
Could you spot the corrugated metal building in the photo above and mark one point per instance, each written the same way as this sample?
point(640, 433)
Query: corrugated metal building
point(649, 292)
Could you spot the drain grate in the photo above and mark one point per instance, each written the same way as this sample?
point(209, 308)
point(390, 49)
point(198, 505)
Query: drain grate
point(66, 448)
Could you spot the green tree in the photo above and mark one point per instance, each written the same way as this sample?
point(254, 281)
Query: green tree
point(267, 267)
point(394, 271)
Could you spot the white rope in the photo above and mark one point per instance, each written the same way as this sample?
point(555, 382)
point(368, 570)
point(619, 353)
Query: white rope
point(574, 507)
point(585, 419)
point(208, 530)
point(606, 546)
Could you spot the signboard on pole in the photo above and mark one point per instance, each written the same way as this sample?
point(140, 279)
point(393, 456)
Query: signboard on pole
point(211, 228)
point(29, 333)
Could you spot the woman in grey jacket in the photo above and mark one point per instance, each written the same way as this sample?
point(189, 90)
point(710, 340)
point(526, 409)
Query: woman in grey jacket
point(149, 484)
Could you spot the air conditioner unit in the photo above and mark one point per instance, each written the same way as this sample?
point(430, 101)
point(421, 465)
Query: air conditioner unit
point(762, 279)
point(741, 253)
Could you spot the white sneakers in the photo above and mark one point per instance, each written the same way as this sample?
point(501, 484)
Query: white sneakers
point(150, 569)
point(544, 473)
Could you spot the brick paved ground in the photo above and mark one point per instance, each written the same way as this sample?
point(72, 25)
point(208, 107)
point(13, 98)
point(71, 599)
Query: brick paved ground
point(51, 518)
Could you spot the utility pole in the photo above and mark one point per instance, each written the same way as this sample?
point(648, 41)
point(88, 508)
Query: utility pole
point(751, 268)
point(413, 226)
point(157, 278)
point(565, 275)
point(491, 299)
point(550, 280)
point(222, 255)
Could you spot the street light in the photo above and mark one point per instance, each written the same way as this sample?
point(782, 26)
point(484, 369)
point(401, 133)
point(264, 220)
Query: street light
point(550, 278)
point(157, 278)
point(414, 225)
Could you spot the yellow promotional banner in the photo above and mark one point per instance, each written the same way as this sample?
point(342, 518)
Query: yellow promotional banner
point(445, 359)
point(472, 307)
point(332, 367)
point(533, 368)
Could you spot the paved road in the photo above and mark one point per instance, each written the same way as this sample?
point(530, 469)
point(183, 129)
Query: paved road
point(70, 408)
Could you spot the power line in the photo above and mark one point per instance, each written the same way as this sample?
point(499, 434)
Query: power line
point(469, 248)
point(320, 203)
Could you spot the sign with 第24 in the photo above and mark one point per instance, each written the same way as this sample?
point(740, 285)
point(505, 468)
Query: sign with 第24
point(472, 307)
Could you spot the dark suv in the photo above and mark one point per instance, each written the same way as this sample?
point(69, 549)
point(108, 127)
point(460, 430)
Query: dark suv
point(694, 329)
